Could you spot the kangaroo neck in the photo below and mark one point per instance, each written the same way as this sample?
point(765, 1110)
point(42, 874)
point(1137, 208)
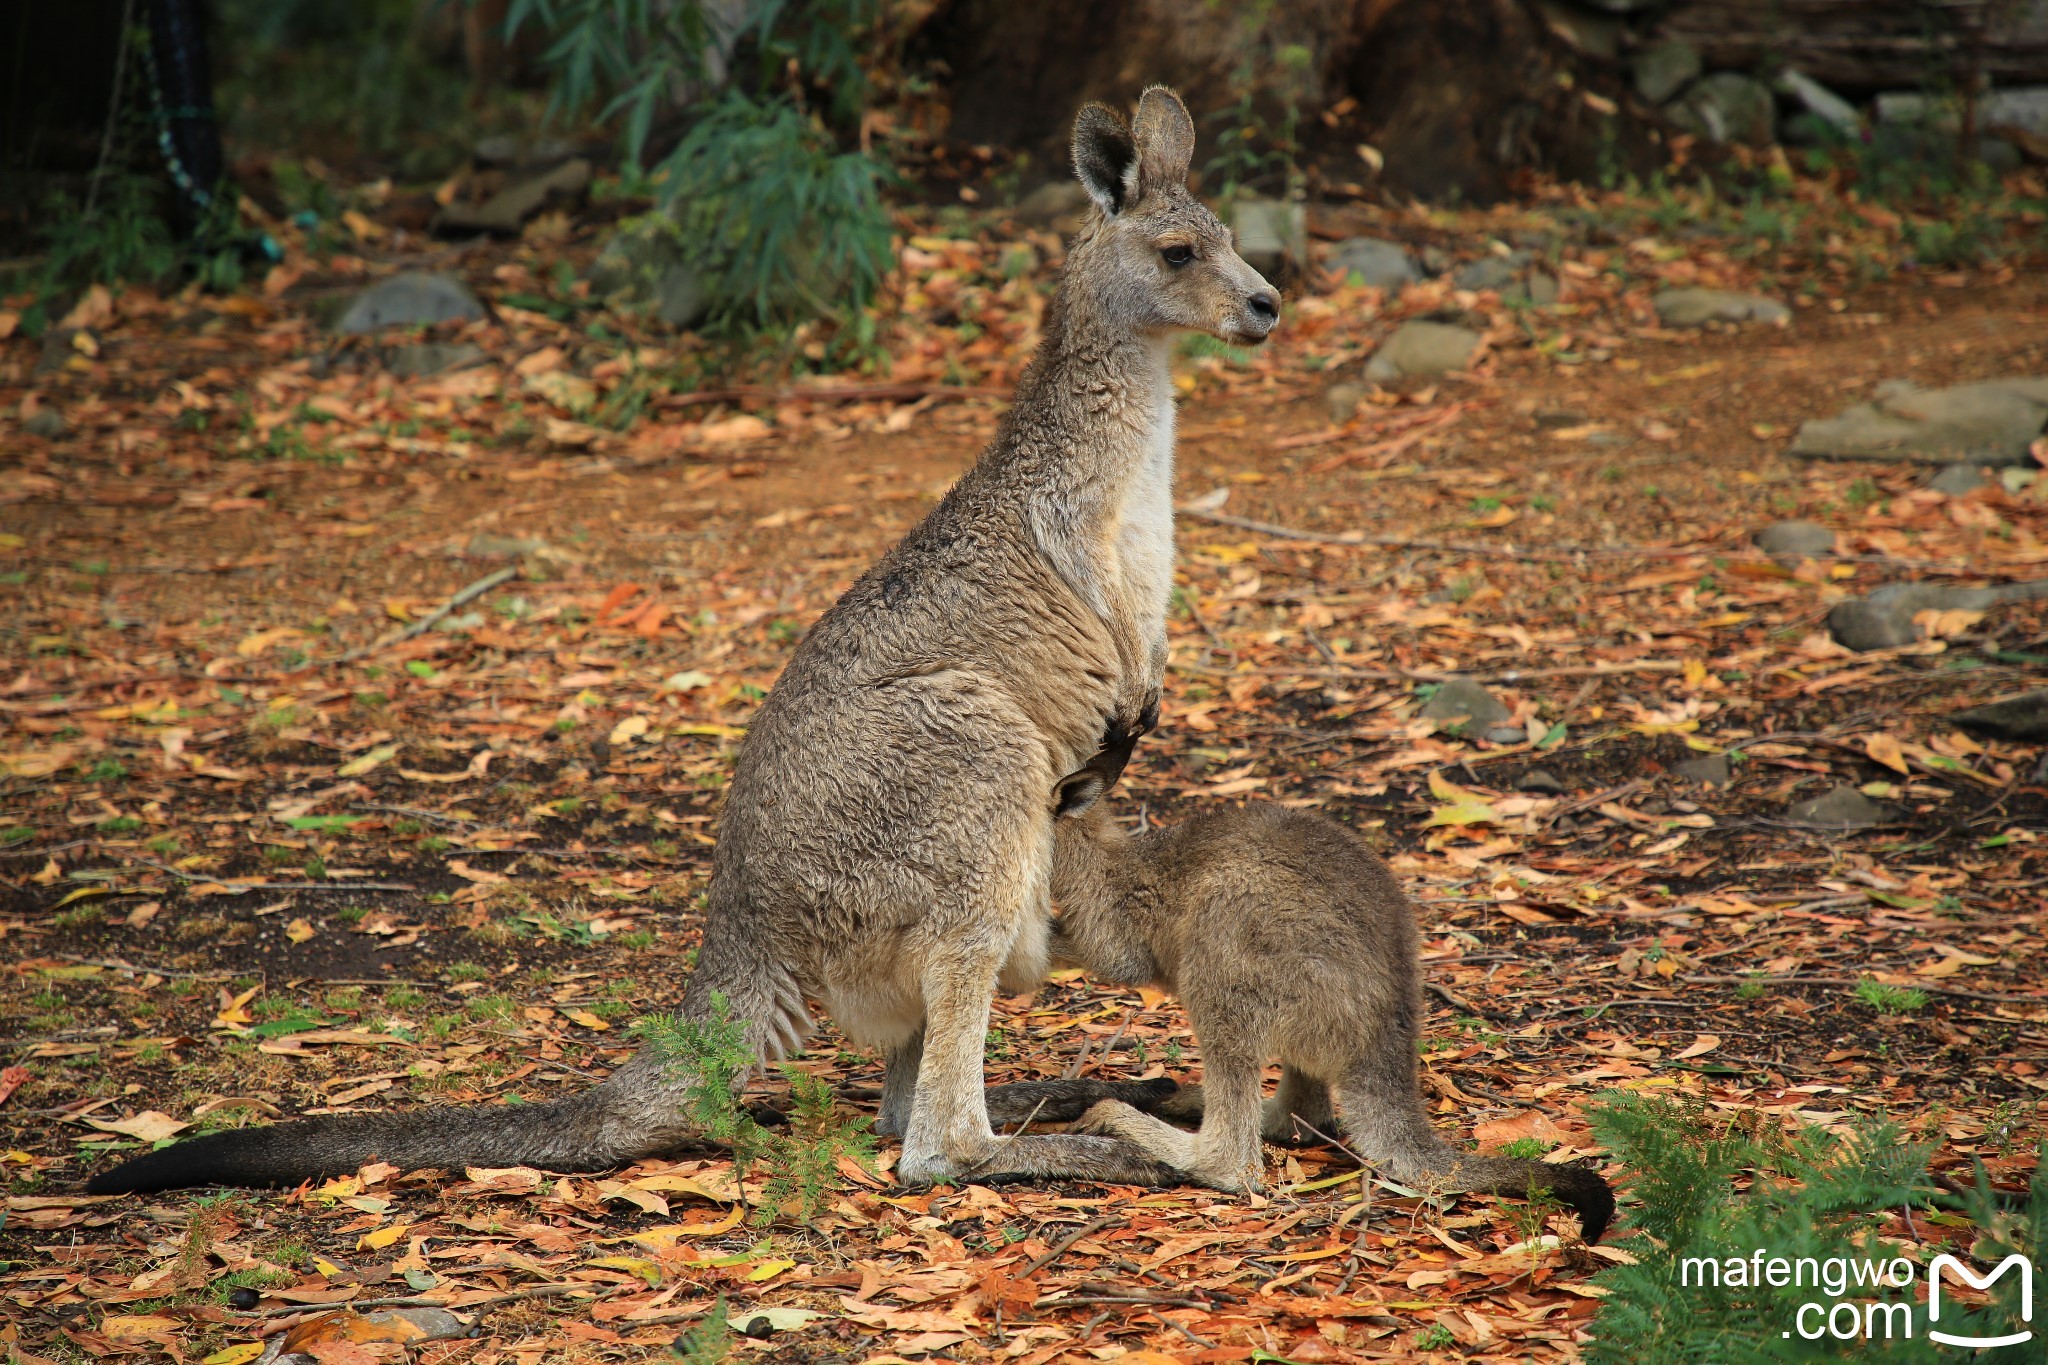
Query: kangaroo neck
point(1100, 402)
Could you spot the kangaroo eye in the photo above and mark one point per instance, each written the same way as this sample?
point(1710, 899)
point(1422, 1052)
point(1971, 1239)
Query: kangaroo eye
point(1177, 255)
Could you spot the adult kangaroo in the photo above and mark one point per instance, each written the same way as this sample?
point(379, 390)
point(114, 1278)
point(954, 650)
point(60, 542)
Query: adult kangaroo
point(886, 847)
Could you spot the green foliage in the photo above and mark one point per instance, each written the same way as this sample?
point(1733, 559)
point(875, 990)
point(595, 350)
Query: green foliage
point(1814, 1197)
point(123, 236)
point(777, 220)
point(709, 1342)
point(1889, 999)
point(1436, 1338)
point(802, 1158)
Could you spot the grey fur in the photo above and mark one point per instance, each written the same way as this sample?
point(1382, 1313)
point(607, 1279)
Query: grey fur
point(1285, 937)
point(887, 841)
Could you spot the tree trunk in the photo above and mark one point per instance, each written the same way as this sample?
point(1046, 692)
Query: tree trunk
point(1456, 95)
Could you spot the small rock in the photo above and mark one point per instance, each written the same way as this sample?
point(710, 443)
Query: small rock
point(47, 423)
point(1958, 479)
point(1541, 781)
point(644, 265)
point(1791, 541)
point(1840, 807)
point(1728, 107)
point(1506, 734)
point(1708, 770)
point(1993, 422)
point(467, 621)
point(1488, 272)
point(409, 300)
point(1665, 69)
point(1542, 288)
point(1272, 234)
point(1697, 307)
point(431, 357)
point(1422, 350)
point(1823, 103)
point(1060, 204)
point(507, 211)
point(2021, 717)
point(513, 152)
point(1379, 264)
point(1463, 707)
point(1884, 620)
point(1343, 401)
point(2016, 480)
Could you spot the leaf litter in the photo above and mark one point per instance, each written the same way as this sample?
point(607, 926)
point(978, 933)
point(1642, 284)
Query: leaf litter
point(302, 819)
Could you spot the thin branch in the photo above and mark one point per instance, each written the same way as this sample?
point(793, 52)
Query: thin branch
point(432, 618)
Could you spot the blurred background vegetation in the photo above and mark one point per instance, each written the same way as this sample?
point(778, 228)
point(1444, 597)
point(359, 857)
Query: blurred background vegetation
point(744, 155)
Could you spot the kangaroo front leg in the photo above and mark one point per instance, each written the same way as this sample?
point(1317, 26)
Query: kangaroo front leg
point(900, 1066)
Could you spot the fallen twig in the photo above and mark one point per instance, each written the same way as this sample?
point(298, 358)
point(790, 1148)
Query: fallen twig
point(1059, 1248)
point(432, 618)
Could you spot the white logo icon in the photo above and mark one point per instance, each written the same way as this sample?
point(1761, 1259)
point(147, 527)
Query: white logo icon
point(1970, 1278)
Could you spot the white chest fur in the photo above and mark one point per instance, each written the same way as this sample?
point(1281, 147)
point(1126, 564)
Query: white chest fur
point(1144, 533)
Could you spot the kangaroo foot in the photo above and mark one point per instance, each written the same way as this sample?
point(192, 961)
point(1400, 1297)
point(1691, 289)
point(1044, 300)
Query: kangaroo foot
point(1064, 1101)
point(1052, 1156)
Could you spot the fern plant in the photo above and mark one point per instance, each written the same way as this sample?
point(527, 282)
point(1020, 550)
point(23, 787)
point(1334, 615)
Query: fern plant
point(1794, 1269)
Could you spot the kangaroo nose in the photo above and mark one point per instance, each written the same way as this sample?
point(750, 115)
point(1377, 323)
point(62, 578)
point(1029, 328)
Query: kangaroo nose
point(1264, 306)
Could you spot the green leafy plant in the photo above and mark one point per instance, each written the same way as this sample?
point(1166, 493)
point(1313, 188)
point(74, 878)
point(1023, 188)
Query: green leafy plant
point(778, 221)
point(1724, 1276)
point(1889, 999)
point(709, 1340)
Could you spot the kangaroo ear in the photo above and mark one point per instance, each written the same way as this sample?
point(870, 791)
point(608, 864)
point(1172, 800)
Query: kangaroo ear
point(1077, 793)
point(1104, 157)
point(1166, 140)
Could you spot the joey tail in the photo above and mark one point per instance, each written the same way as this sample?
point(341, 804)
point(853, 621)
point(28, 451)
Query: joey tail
point(1399, 1134)
point(639, 1110)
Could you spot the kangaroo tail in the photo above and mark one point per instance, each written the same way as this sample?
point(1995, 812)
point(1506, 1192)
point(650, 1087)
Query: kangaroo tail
point(641, 1109)
point(1389, 1124)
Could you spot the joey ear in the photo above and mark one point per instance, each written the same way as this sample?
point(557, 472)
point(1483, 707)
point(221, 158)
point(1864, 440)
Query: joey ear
point(1078, 792)
point(1104, 157)
point(1165, 136)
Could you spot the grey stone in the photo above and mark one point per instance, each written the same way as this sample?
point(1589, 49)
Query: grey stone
point(1958, 479)
point(513, 152)
point(1463, 707)
point(1420, 350)
point(1541, 781)
point(2022, 106)
point(507, 211)
point(1060, 204)
point(1791, 541)
point(1697, 307)
point(1840, 807)
point(1884, 620)
point(644, 265)
point(431, 357)
point(1541, 287)
point(1708, 770)
point(1819, 101)
point(1272, 234)
point(1381, 264)
point(413, 299)
point(47, 423)
point(1663, 70)
point(1728, 107)
point(1343, 401)
point(1992, 423)
point(1506, 734)
point(2021, 717)
point(1489, 272)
